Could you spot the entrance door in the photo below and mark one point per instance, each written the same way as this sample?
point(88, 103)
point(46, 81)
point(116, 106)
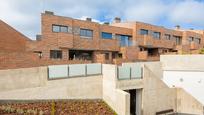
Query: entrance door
point(132, 101)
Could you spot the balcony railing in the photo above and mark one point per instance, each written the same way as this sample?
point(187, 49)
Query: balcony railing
point(129, 72)
point(73, 70)
point(149, 41)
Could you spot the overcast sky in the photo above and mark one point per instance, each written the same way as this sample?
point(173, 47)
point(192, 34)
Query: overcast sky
point(24, 15)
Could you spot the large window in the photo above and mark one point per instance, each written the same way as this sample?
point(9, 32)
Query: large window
point(86, 33)
point(143, 32)
point(124, 40)
point(190, 39)
point(56, 54)
point(178, 40)
point(59, 28)
point(106, 35)
point(167, 36)
point(156, 35)
point(197, 40)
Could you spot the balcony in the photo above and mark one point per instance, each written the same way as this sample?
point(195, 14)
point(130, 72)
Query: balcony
point(109, 44)
point(149, 41)
point(194, 45)
point(130, 76)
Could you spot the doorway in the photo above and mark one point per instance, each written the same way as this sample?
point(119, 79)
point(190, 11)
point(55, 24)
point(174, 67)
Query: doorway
point(132, 101)
point(135, 101)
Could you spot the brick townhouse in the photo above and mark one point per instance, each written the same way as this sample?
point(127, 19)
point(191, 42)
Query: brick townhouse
point(73, 39)
point(66, 40)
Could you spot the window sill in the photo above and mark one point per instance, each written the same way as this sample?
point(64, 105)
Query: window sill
point(86, 37)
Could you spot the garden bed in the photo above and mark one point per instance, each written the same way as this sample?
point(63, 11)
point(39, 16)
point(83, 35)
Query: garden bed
point(62, 107)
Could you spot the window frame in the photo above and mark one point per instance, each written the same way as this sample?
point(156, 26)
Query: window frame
point(167, 36)
point(55, 54)
point(60, 28)
point(106, 33)
point(156, 35)
point(144, 30)
point(190, 39)
point(124, 39)
point(86, 33)
point(199, 40)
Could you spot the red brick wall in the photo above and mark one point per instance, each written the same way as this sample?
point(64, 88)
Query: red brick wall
point(10, 39)
point(15, 60)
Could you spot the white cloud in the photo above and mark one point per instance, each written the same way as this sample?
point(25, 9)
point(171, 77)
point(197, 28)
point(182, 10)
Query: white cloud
point(190, 12)
point(150, 11)
point(94, 20)
point(24, 15)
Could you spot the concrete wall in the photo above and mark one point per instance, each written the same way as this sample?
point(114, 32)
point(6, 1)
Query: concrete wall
point(186, 72)
point(156, 95)
point(187, 104)
point(118, 99)
point(32, 83)
point(182, 62)
point(190, 81)
point(13, 79)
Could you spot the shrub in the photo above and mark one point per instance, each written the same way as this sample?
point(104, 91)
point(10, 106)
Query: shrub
point(201, 51)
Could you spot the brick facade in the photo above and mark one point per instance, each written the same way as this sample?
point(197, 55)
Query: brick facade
point(10, 39)
point(79, 49)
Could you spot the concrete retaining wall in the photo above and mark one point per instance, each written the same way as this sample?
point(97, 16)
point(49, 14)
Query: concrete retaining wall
point(32, 83)
point(182, 62)
point(118, 99)
point(13, 79)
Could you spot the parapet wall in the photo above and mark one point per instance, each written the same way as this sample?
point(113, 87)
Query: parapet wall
point(32, 83)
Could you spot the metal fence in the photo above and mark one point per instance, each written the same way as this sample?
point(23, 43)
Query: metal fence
point(130, 72)
point(74, 70)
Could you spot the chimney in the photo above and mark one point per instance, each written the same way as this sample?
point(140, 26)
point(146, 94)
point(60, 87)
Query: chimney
point(177, 27)
point(88, 19)
point(49, 12)
point(117, 20)
point(38, 37)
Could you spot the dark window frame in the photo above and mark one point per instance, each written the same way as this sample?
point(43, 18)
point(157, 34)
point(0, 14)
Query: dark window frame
point(190, 39)
point(144, 32)
point(197, 40)
point(60, 28)
point(86, 33)
point(55, 54)
point(178, 38)
point(156, 35)
point(125, 40)
point(167, 36)
point(106, 33)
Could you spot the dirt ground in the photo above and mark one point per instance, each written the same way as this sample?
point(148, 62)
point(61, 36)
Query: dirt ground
point(63, 107)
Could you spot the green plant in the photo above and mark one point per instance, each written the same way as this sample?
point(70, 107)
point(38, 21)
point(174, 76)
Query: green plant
point(53, 108)
point(20, 111)
point(201, 51)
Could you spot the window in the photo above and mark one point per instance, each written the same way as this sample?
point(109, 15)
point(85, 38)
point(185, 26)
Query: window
point(197, 40)
point(106, 35)
point(59, 28)
point(167, 36)
point(86, 33)
point(190, 39)
point(143, 32)
point(178, 40)
point(124, 40)
point(55, 28)
point(63, 29)
point(56, 54)
point(156, 35)
point(107, 56)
